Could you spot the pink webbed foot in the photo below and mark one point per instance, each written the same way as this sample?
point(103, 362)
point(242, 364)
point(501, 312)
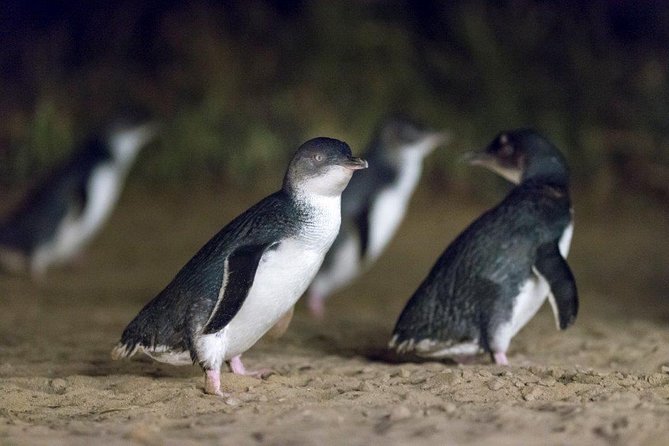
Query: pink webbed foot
point(316, 306)
point(238, 368)
point(500, 358)
point(212, 383)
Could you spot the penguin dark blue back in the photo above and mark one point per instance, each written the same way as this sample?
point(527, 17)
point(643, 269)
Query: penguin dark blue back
point(496, 274)
point(374, 204)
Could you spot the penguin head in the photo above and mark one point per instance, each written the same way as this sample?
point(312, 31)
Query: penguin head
point(322, 166)
point(522, 154)
point(125, 141)
point(401, 136)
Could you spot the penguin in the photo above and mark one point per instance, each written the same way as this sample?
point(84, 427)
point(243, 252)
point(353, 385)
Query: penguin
point(63, 213)
point(249, 274)
point(497, 273)
point(374, 204)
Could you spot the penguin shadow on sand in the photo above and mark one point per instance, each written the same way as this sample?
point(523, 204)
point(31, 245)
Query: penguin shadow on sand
point(347, 338)
point(142, 366)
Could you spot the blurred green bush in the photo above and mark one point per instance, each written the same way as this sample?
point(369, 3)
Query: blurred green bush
point(239, 84)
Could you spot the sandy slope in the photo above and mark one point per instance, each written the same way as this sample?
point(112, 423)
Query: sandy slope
point(601, 382)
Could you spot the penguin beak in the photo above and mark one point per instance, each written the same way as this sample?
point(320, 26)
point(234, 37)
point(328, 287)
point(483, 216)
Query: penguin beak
point(354, 163)
point(476, 158)
point(149, 131)
point(439, 138)
point(490, 162)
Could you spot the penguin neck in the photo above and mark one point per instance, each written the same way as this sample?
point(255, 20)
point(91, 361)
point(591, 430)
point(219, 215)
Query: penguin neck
point(553, 187)
point(305, 199)
point(550, 171)
point(320, 217)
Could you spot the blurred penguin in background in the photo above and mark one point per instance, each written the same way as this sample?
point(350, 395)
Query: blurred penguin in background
point(64, 212)
point(374, 204)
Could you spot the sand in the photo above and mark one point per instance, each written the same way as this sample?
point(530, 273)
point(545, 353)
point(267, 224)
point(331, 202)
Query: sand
point(603, 381)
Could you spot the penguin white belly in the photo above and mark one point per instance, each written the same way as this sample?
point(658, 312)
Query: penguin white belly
point(531, 296)
point(282, 277)
point(104, 189)
point(56, 249)
point(76, 230)
point(389, 207)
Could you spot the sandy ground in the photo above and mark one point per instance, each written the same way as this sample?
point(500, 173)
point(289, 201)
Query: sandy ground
point(600, 382)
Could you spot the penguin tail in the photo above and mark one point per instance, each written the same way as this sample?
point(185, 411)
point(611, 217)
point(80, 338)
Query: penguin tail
point(124, 350)
point(401, 345)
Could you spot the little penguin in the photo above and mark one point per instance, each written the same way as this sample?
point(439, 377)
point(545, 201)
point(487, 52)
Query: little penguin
point(374, 204)
point(250, 273)
point(64, 212)
point(497, 273)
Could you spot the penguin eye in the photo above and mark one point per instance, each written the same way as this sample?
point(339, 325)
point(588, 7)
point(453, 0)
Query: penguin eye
point(318, 157)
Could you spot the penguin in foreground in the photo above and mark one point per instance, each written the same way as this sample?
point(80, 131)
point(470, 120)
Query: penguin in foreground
point(62, 214)
point(496, 274)
point(249, 274)
point(374, 204)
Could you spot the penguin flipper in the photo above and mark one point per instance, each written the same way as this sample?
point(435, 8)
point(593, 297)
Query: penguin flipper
point(239, 273)
point(563, 294)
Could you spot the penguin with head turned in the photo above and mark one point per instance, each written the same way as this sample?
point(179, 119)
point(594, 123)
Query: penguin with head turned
point(497, 273)
point(63, 213)
point(249, 274)
point(374, 204)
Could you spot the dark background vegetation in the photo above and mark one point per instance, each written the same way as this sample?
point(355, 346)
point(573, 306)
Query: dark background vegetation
point(239, 84)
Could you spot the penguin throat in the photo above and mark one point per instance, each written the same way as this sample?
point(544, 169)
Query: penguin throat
point(328, 184)
point(551, 170)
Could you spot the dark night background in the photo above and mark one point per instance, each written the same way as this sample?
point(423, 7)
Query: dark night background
point(239, 84)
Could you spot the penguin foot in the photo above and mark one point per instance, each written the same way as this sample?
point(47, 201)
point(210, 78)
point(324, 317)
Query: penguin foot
point(212, 383)
point(238, 368)
point(500, 358)
point(317, 307)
